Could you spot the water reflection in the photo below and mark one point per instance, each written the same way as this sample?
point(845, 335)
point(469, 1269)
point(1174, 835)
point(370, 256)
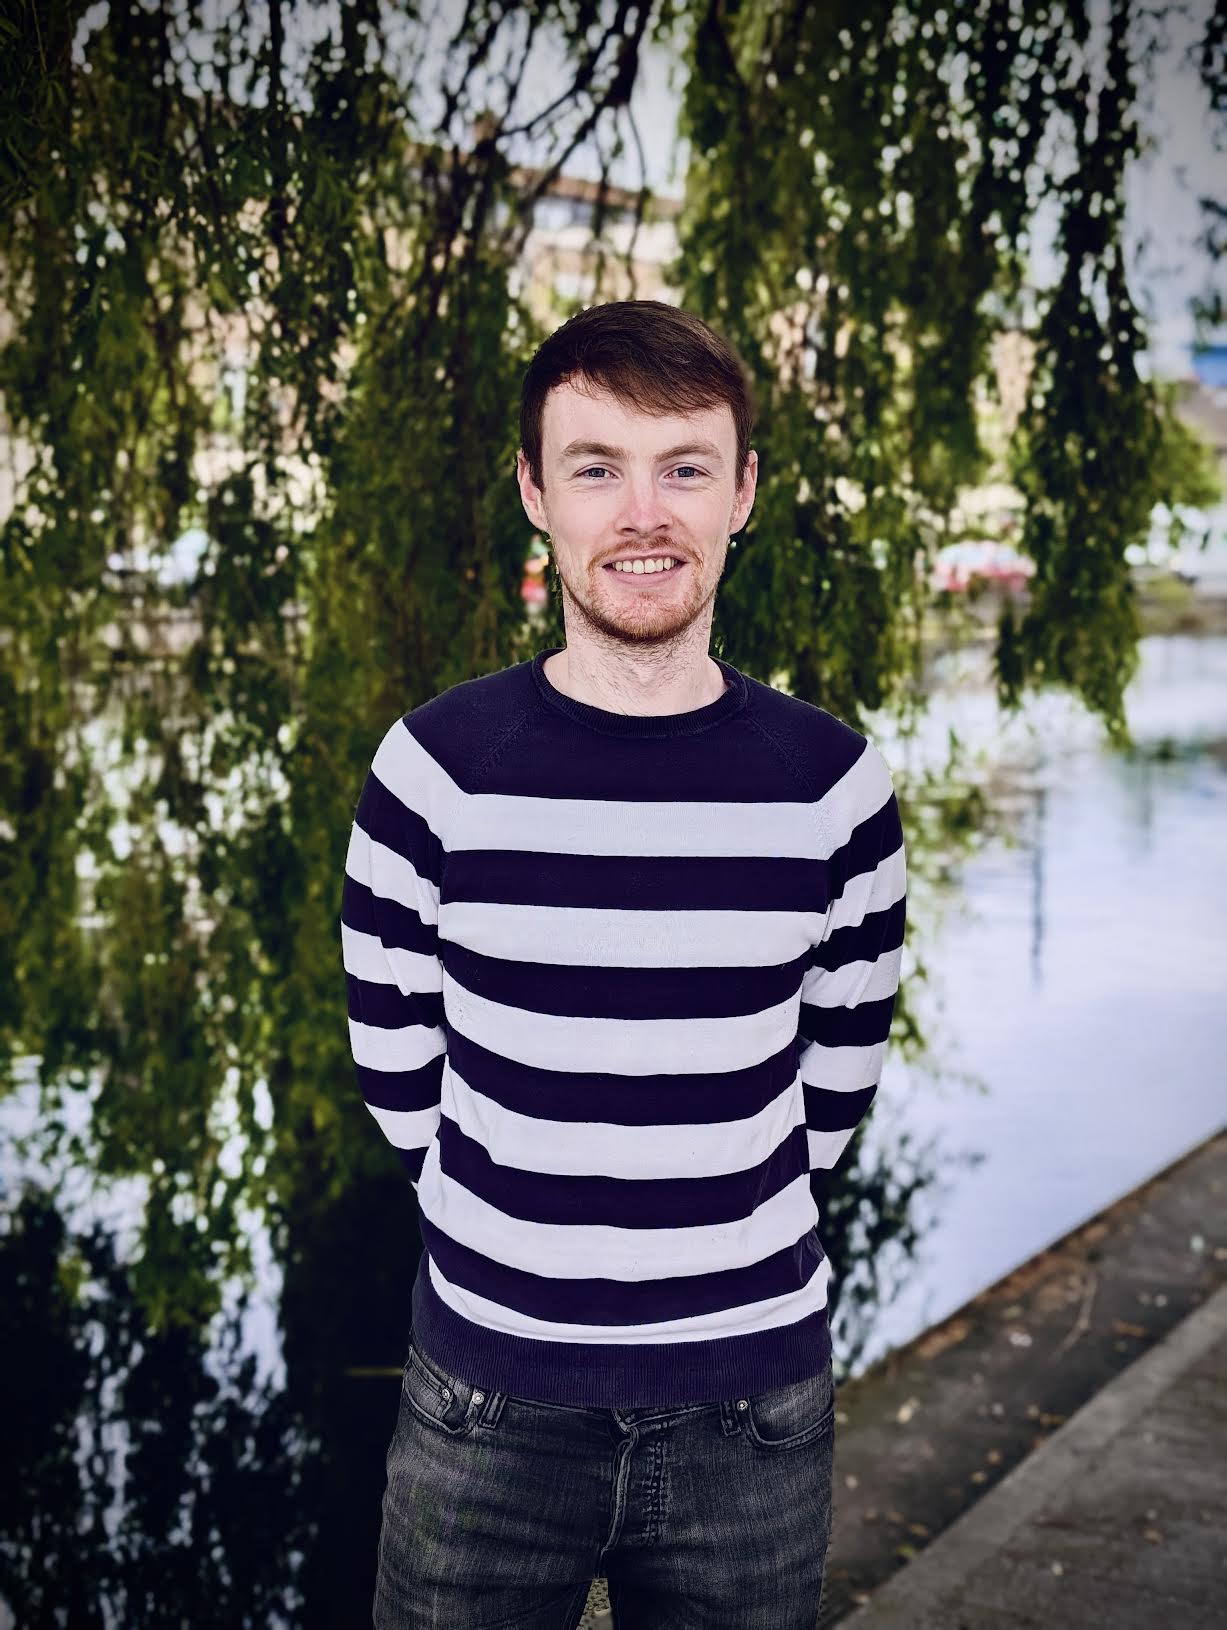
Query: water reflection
point(136, 1488)
point(153, 1477)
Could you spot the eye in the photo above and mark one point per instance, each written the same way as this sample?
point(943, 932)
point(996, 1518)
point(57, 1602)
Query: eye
point(591, 468)
point(693, 467)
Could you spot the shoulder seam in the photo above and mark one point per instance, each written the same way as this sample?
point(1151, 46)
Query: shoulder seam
point(786, 754)
point(790, 759)
point(500, 746)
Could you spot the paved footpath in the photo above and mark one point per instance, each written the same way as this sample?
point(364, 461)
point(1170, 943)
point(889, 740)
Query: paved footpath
point(1119, 1519)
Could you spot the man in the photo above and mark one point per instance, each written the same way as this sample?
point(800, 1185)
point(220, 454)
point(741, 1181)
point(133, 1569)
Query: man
point(622, 931)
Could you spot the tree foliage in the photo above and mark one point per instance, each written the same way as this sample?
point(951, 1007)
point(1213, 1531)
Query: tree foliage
point(258, 276)
point(1209, 54)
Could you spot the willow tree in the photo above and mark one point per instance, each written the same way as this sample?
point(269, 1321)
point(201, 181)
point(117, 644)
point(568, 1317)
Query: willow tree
point(258, 270)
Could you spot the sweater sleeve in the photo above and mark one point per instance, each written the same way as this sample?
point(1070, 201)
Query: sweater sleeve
point(390, 951)
point(849, 990)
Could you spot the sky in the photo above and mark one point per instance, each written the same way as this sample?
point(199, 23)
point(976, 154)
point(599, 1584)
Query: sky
point(1162, 192)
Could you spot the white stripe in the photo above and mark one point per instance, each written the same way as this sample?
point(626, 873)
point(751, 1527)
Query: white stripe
point(842, 1069)
point(610, 937)
point(416, 972)
point(854, 982)
point(579, 1148)
point(869, 891)
point(407, 1128)
point(407, 1048)
point(363, 955)
point(562, 1041)
point(410, 774)
point(859, 793)
point(636, 827)
point(582, 1250)
point(390, 875)
point(825, 1148)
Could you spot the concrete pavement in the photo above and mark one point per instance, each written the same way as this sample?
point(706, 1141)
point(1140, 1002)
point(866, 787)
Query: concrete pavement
point(1119, 1519)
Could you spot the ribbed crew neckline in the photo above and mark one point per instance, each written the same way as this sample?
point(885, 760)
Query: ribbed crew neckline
point(736, 693)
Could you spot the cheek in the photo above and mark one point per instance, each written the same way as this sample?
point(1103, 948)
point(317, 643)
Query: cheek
point(581, 515)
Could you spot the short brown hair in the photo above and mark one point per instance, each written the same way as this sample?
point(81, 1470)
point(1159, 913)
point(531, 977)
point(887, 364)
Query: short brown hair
point(652, 356)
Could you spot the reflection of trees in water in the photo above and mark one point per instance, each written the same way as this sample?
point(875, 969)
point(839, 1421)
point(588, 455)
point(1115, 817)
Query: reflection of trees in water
point(348, 1267)
point(241, 1504)
point(137, 1490)
point(868, 1227)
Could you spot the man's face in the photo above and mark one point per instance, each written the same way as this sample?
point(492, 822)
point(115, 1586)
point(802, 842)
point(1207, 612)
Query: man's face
point(619, 482)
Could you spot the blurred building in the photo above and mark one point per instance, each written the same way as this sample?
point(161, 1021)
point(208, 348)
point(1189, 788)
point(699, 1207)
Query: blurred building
point(1202, 403)
point(560, 258)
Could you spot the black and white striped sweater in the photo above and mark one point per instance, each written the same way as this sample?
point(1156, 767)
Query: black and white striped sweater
point(617, 984)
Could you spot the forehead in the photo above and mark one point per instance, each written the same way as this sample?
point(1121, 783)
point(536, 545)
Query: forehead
point(591, 413)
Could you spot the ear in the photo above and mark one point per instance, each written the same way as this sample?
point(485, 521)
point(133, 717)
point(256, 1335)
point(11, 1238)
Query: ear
point(530, 494)
point(745, 493)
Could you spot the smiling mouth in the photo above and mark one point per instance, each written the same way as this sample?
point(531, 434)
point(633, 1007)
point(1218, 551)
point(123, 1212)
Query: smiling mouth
point(644, 577)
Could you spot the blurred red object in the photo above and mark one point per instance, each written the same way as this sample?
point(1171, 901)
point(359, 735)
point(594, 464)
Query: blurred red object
point(1000, 563)
point(534, 591)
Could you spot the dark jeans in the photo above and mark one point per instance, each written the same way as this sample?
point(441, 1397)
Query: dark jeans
point(500, 1511)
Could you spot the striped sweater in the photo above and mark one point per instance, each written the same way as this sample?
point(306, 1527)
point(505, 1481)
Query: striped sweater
point(617, 984)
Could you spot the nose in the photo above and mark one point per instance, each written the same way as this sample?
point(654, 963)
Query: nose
point(643, 506)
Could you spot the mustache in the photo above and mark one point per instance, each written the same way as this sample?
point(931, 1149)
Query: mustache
point(649, 546)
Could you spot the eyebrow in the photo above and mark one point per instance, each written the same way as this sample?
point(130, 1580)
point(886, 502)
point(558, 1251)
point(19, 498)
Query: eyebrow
point(600, 449)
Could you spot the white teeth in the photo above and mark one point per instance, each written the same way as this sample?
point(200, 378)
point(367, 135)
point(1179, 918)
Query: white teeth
point(664, 563)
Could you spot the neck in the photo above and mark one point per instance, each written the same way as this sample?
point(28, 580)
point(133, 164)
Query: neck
point(639, 682)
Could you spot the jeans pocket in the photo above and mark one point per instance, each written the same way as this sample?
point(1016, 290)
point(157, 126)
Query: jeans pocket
point(791, 1416)
point(438, 1399)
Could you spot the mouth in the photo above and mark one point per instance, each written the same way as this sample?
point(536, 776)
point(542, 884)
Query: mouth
point(646, 580)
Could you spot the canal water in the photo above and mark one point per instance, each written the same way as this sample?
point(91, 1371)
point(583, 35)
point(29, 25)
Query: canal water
point(1077, 970)
point(1081, 973)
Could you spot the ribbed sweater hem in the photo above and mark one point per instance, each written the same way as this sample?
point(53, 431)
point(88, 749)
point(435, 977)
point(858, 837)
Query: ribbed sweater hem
point(621, 1375)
